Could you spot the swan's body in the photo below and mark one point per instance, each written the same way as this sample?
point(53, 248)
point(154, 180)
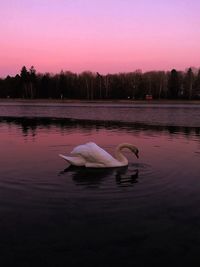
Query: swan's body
point(93, 156)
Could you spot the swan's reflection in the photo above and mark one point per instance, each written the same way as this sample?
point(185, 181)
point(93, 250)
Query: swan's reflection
point(124, 178)
point(95, 176)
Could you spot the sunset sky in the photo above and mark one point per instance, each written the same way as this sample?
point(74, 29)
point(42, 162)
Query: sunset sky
point(99, 35)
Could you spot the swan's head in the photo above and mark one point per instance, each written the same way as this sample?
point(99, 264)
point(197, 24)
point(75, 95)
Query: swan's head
point(133, 148)
point(135, 151)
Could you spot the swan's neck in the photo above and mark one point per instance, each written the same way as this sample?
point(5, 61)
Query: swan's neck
point(118, 154)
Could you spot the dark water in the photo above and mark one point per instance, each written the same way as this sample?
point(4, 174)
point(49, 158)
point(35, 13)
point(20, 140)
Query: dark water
point(144, 215)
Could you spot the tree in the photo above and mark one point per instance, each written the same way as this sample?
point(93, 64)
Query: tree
point(28, 82)
point(87, 82)
point(24, 81)
point(173, 84)
point(32, 81)
point(189, 83)
point(44, 85)
point(197, 85)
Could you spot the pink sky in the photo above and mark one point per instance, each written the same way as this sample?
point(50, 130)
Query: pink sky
point(99, 35)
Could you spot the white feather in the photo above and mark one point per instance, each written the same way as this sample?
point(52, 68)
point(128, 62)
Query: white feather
point(93, 156)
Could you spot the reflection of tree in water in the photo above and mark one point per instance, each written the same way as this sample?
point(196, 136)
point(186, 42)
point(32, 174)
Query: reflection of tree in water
point(93, 177)
point(30, 126)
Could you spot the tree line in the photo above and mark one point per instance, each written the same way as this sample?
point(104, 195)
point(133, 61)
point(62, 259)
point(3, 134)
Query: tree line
point(89, 85)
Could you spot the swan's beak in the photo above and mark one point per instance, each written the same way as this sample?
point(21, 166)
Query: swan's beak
point(136, 153)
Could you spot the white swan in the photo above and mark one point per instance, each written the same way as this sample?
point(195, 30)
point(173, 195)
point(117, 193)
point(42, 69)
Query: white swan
point(92, 156)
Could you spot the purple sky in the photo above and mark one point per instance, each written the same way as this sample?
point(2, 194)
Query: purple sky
point(99, 35)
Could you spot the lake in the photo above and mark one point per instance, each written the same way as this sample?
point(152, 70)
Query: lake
point(146, 214)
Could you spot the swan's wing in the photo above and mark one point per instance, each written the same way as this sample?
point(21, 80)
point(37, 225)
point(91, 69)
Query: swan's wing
point(93, 153)
point(77, 160)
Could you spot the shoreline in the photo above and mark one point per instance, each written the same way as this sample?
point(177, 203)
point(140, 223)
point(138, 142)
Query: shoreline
point(104, 101)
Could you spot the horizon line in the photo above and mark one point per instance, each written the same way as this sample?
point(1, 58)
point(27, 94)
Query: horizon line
point(194, 68)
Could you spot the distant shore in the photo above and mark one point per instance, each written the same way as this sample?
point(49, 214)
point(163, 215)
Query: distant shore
point(103, 101)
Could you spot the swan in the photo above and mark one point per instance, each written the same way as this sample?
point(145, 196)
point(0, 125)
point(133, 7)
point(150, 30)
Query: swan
point(91, 155)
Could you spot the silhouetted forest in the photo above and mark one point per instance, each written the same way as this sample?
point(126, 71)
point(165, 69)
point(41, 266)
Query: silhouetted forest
point(88, 85)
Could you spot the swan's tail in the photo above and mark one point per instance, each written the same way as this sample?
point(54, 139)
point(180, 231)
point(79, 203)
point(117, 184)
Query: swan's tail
point(64, 157)
point(77, 161)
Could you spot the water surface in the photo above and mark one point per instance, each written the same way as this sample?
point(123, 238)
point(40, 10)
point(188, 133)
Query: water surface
point(144, 215)
point(151, 114)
